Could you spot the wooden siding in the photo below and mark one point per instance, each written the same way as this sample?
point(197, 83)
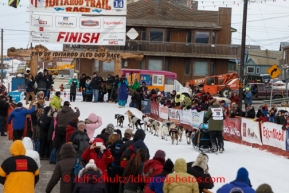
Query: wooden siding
point(178, 35)
point(224, 36)
point(221, 66)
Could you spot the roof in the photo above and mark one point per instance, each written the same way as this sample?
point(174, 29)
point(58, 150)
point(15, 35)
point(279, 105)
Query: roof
point(152, 12)
point(264, 57)
point(172, 24)
point(283, 44)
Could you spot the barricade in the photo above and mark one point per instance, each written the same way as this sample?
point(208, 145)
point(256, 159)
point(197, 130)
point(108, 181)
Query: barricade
point(265, 136)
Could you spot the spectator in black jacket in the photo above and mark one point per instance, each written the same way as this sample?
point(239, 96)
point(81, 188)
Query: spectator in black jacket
point(82, 85)
point(29, 88)
point(41, 82)
point(280, 118)
point(44, 124)
point(200, 169)
point(115, 150)
point(135, 98)
point(235, 111)
point(49, 83)
point(95, 84)
point(250, 112)
point(108, 131)
point(3, 113)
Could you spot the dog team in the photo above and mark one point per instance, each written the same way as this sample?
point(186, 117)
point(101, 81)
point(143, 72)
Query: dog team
point(167, 128)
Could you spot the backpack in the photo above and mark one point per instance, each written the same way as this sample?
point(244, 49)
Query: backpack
point(75, 171)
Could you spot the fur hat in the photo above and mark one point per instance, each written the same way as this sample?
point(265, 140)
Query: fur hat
point(91, 165)
point(201, 161)
point(169, 165)
point(80, 123)
point(75, 75)
point(109, 129)
point(264, 188)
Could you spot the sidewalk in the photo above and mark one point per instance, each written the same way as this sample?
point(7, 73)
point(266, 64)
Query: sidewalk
point(46, 169)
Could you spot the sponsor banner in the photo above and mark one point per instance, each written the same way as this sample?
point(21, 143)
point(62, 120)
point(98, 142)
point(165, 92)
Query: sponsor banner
point(273, 135)
point(250, 131)
point(174, 114)
point(154, 108)
point(232, 129)
point(146, 106)
point(197, 118)
point(65, 96)
point(87, 7)
point(147, 78)
point(73, 30)
point(163, 112)
point(186, 117)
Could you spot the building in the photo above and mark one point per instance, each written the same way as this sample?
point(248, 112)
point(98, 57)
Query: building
point(175, 38)
point(259, 61)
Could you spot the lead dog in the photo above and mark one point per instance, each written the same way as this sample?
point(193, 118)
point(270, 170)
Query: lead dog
point(119, 120)
point(180, 132)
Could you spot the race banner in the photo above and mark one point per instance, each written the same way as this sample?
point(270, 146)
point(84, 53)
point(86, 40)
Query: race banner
point(163, 112)
point(154, 109)
point(232, 129)
point(197, 118)
point(250, 131)
point(273, 135)
point(63, 29)
point(92, 7)
point(174, 114)
point(186, 117)
point(146, 106)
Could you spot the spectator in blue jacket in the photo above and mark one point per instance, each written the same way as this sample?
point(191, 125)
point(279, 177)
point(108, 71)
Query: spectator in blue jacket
point(247, 97)
point(241, 184)
point(88, 89)
point(158, 180)
point(18, 115)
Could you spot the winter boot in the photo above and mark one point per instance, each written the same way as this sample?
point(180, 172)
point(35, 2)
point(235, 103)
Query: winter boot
point(214, 148)
point(221, 148)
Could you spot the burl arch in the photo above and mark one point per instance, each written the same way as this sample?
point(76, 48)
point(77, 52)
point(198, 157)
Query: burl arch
point(102, 54)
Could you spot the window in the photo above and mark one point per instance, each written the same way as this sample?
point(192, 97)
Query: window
point(169, 35)
point(158, 79)
point(257, 70)
point(187, 67)
point(108, 66)
point(142, 64)
point(189, 37)
point(169, 81)
point(250, 70)
point(200, 69)
point(167, 64)
point(156, 35)
point(202, 37)
point(210, 81)
point(143, 33)
point(232, 67)
point(155, 64)
point(96, 66)
point(213, 37)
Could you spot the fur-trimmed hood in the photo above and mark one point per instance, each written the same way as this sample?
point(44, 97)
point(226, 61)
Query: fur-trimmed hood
point(201, 161)
point(90, 170)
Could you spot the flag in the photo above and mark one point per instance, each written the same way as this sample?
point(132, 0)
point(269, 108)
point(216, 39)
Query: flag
point(34, 3)
point(13, 3)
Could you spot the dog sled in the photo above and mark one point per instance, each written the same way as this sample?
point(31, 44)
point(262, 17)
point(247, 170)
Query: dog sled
point(201, 139)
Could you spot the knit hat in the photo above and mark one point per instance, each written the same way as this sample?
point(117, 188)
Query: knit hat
point(91, 165)
point(128, 131)
point(201, 161)
point(80, 123)
point(109, 129)
point(169, 165)
point(75, 74)
point(247, 88)
point(264, 188)
point(160, 156)
point(243, 175)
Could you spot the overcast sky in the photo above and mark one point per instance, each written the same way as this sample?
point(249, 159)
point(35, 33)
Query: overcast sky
point(268, 23)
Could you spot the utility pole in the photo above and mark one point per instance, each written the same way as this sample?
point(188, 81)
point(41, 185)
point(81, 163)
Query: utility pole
point(2, 65)
point(243, 49)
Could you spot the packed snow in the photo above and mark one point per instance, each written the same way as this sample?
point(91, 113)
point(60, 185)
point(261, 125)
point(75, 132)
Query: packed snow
point(263, 167)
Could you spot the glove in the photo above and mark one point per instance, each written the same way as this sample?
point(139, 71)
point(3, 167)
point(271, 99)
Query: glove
point(102, 148)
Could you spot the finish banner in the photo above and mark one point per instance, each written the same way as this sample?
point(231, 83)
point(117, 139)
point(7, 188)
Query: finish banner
point(58, 29)
point(92, 7)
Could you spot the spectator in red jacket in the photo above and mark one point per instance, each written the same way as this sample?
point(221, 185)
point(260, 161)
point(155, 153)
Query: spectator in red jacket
point(153, 167)
point(71, 128)
point(263, 118)
point(101, 156)
point(234, 97)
